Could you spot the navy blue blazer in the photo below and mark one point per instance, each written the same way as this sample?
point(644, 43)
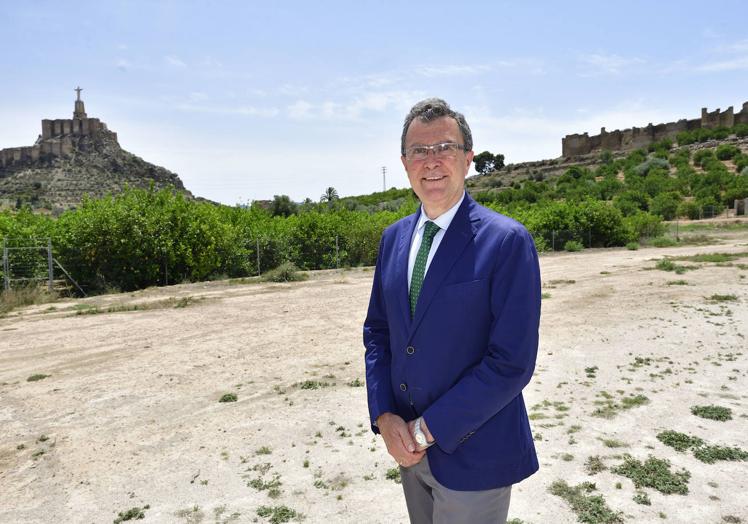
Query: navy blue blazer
point(463, 359)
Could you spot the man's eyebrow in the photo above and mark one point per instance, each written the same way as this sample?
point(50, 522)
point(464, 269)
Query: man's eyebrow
point(419, 144)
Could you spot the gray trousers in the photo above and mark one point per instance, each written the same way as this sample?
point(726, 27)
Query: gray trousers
point(431, 503)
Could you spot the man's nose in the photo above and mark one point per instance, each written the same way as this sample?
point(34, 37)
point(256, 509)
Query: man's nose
point(432, 159)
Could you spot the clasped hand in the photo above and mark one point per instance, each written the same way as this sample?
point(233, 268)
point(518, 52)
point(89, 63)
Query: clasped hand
point(399, 439)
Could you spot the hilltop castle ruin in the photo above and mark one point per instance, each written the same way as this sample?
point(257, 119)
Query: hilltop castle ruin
point(636, 137)
point(56, 139)
point(73, 158)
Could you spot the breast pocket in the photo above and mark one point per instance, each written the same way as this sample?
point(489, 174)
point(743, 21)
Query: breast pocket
point(466, 293)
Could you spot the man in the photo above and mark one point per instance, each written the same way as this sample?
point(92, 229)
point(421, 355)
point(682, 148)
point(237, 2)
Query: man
point(451, 335)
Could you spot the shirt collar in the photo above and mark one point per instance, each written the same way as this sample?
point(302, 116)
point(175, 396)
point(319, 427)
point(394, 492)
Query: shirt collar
point(442, 220)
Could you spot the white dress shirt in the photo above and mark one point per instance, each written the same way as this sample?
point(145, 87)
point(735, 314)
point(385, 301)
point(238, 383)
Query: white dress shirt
point(443, 222)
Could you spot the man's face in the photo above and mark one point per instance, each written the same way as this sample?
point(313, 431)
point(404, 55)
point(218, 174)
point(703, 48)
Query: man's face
point(437, 180)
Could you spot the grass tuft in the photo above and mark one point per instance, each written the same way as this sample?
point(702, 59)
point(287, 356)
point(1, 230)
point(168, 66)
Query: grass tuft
point(11, 299)
point(278, 514)
point(286, 272)
point(679, 441)
point(590, 509)
point(711, 454)
point(228, 397)
point(722, 298)
point(135, 513)
point(394, 475)
point(654, 473)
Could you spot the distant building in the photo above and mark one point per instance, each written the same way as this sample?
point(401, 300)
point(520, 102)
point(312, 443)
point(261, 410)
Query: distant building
point(636, 137)
point(57, 137)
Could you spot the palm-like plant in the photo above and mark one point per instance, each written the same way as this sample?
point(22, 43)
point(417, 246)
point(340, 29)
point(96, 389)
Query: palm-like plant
point(330, 195)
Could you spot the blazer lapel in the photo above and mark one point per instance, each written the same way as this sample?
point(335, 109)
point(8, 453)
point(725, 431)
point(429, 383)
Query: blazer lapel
point(456, 238)
point(401, 277)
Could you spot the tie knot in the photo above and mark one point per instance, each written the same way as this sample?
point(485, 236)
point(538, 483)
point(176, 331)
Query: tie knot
point(431, 230)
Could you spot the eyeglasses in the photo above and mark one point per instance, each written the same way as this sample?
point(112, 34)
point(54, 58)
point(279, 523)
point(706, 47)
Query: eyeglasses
point(443, 151)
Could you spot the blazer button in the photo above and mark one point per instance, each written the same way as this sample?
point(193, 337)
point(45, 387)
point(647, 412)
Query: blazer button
point(410, 350)
point(403, 387)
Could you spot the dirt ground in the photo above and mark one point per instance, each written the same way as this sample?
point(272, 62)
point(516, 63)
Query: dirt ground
point(130, 416)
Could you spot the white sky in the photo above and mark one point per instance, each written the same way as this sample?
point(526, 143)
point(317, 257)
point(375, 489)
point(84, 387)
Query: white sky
point(244, 100)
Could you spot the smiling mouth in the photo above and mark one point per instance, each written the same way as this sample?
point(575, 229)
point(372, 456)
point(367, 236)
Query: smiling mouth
point(433, 178)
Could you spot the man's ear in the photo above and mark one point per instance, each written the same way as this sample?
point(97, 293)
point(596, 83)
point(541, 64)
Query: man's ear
point(469, 157)
point(405, 165)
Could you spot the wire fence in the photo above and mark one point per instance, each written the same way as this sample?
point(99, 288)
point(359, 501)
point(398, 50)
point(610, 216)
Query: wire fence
point(27, 262)
point(108, 267)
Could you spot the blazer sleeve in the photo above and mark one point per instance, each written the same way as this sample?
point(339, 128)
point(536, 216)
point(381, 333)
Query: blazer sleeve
point(510, 357)
point(377, 356)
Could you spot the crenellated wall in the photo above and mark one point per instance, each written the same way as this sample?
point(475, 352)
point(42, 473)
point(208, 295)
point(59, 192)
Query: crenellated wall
point(637, 137)
point(74, 126)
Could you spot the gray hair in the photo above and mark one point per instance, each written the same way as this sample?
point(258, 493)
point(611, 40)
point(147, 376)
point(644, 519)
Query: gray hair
point(429, 110)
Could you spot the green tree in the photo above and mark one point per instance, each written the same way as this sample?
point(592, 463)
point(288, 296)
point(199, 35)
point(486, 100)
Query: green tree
point(282, 205)
point(330, 196)
point(486, 162)
point(665, 205)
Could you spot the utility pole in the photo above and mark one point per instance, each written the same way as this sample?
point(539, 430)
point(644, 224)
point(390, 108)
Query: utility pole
point(384, 178)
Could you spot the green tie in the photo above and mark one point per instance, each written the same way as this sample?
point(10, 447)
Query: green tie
point(419, 268)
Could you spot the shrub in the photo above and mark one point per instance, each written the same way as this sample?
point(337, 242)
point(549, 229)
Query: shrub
point(654, 473)
point(665, 205)
point(726, 151)
point(573, 245)
point(278, 514)
point(680, 157)
point(711, 454)
point(662, 145)
point(685, 138)
point(703, 156)
point(679, 441)
point(663, 242)
point(712, 412)
point(228, 397)
point(588, 508)
point(643, 225)
point(665, 264)
point(689, 209)
point(286, 272)
point(632, 246)
point(631, 202)
point(645, 167)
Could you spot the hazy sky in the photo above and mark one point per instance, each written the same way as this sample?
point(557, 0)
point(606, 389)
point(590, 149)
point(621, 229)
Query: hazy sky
point(247, 99)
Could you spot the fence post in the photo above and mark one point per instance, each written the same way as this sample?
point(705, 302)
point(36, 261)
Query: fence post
point(259, 272)
point(6, 269)
point(49, 264)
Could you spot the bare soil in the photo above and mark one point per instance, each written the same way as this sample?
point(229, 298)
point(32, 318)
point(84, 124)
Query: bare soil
point(130, 414)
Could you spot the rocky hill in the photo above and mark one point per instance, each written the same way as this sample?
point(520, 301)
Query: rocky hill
point(553, 168)
point(72, 158)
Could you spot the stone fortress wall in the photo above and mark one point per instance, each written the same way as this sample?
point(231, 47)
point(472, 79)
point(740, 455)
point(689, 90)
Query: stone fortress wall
point(56, 139)
point(636, 137)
